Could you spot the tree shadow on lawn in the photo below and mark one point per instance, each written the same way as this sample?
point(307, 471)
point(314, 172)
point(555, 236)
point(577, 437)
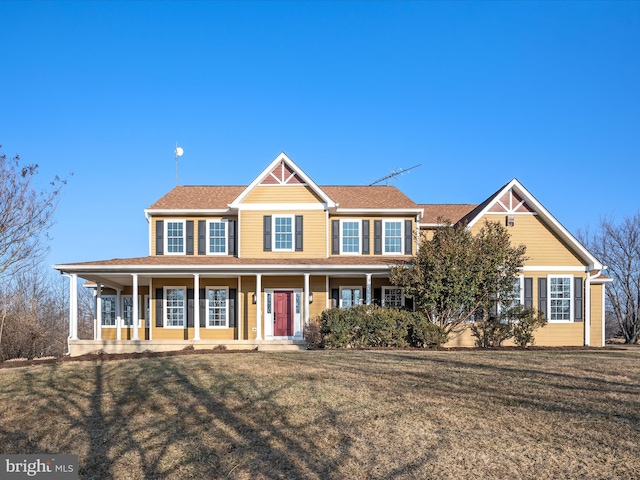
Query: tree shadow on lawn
point(165, 419)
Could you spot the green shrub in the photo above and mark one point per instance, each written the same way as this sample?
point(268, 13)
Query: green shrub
point(422, 333)
point(528, 320)
point(373, 326)
point(492, 331)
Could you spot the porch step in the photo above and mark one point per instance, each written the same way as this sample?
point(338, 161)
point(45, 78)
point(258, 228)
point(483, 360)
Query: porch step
point(282, 345)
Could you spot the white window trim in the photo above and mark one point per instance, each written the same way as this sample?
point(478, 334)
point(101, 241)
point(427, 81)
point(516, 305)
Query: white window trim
point(206, 311)
point(390, 287)
point(571, 299)
point(166, 237)
point(225, 222)
point(124, 325)
point(346, 287)
point(273, 233)
point(164, 308)
point(349, 220)
point(115, 299)
point(384, 236)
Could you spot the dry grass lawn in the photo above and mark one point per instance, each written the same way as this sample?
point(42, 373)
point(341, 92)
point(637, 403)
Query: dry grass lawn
point(334, 415)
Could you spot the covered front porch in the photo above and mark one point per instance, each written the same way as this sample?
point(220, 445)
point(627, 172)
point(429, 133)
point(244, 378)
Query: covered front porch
point(212, 307)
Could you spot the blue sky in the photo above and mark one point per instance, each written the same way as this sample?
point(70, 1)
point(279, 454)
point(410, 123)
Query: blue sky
point(476, 92)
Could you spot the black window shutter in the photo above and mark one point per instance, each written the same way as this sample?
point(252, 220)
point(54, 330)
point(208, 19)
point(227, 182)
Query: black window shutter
point(542, 296)
point(159, 237)
point(335, 237)
point(202, 237)
point(528, 292)
point(159, 302)
point(190, 307)
point(298, 233)
point(577, 299)
point(266, 232)
point(189, 237)
point(408, 303)
point(365, 237)
point(377, 237)
point(232, 237)
point(335, 298)
point(408, 237)
point(377, 296)
point(232, 307)
point(203, 305)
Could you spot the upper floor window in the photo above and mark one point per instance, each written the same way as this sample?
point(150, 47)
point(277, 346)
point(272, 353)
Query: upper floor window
point(218, 237)
point(350, 236)
point(393, 236)
point(560, 298)
point(283, 233)
point(175, 237)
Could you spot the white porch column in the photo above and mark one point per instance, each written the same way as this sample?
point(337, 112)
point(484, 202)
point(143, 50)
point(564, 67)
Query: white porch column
point(98, 335)
point(258, 306)
point(73, 306)
point(118, 315)
point(151, 309)
point(306, 299)
point(136, 308)
point(196, 306)
point(239, 310)
point(368, 293)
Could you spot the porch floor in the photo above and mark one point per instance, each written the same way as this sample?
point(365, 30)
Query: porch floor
point(82, 347)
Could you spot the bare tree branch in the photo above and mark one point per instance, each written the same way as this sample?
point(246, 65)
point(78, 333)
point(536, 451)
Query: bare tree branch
point(618, 247)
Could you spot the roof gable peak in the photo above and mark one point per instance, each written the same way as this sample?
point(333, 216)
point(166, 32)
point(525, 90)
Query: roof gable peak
point(283, 171)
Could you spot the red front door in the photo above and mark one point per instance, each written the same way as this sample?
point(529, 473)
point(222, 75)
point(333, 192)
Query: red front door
point(282, 314)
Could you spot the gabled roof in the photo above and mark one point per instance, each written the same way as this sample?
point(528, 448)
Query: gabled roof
point(198, 198)
point(289, 170)
point(527, 202)
point(453, 212)
point(370, 197)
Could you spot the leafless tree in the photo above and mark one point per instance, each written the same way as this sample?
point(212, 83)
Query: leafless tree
point(35, 322)
point(26, 213)
point(618, 247)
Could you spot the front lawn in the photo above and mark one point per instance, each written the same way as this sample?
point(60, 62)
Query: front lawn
point(334, 414)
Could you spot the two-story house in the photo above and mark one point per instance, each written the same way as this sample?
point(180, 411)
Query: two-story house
point(248, 266)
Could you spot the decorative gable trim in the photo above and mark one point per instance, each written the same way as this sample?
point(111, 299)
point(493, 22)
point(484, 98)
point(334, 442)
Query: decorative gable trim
point(517, 198)
point(282, 174)
point(283, 171)
point(511, 203)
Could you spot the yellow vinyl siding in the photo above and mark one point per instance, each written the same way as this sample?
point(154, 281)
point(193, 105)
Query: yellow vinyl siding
point(596, 315)
point(543, 246)
point(195, 231)
point(282, 194)
point(162, 333)
point(551, 335)
point(314, 234)
point(371, 232)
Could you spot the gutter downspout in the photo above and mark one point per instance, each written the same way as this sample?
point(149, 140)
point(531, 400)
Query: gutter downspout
point(587, 307)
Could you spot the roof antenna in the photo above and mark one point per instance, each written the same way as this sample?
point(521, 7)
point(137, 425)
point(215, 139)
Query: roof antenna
point(396, 172)
point(178, 152)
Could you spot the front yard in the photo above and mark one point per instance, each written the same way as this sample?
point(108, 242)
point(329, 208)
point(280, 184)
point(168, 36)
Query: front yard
point(334, 414)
